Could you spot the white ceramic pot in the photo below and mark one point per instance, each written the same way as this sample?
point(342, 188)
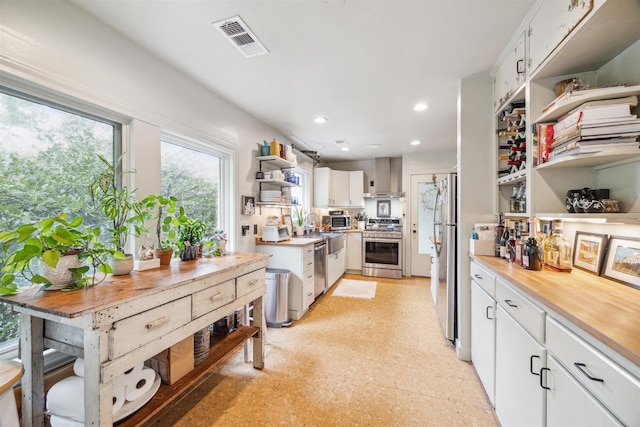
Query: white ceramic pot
point(121, 267)
point(60, 276)
point(361, 225)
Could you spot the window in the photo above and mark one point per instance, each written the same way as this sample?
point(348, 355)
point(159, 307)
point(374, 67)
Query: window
point(48, 155)
point(194, 174)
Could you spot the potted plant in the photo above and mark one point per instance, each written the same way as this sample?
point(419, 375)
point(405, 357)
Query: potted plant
point(217, 244)
point(190, 237)
point(168, 217)
point(120, 206)
point(52, 253)
point(299, 215)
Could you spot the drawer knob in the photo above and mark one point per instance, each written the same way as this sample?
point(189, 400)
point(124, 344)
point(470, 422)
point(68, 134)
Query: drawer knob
point(511, 303)
point(581, 367)
point(157, 322)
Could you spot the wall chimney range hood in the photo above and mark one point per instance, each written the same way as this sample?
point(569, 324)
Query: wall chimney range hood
point(382, 181)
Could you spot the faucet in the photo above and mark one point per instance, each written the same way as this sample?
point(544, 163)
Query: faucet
point(306, 219)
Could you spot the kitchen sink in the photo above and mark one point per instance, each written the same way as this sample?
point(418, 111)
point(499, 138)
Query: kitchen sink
point(335, 241)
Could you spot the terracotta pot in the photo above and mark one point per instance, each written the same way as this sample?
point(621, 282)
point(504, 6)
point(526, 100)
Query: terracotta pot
point(164, 255)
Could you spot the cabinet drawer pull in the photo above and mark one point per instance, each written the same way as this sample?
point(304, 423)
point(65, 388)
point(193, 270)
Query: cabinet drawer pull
point(486, 312)
point(217, 297)
point(520, 66)
point(309, 277)
point(511, 303)
point(252, 282)
point(310, 294)
point(531, 364)
point(157, 322)
point(477, 276)
point(580, 367)
point(541, 372)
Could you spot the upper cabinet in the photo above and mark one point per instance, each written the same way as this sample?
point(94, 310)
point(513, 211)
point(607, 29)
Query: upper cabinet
point(597, 42)
point(509, 75)
point(334, 188)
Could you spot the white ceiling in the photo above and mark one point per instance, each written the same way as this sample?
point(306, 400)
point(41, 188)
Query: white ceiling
point(362, 64)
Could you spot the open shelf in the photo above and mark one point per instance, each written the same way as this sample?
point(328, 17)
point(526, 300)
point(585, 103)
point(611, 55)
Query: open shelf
point(626, 218)
point(279, 182)
point(169, 393)
point(590, 159)
point(276, 161)
point(513, 178)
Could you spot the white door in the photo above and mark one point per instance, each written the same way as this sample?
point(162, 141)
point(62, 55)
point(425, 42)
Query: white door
point(423, 192)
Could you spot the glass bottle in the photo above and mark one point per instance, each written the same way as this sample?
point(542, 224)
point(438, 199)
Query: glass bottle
point(511, 245)
point(499, 230)
point(557, 249)
point(503, 240)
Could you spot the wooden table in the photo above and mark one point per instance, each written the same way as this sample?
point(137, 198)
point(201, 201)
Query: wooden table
point(127, 319)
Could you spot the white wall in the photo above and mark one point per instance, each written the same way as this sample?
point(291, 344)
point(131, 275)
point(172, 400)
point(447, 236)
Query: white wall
point(51, 47)
point(476, 189)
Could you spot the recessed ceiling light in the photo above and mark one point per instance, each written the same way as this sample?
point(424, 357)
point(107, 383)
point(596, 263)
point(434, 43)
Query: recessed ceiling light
point(373, 146)
point(415, 142)
point(420, 106)
point(321, 120)
point(345, 148)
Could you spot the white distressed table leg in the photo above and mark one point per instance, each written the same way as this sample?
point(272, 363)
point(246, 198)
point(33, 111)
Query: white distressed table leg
point(258, 341)
point(245, 322)
point(98, 401)
point(31, 348)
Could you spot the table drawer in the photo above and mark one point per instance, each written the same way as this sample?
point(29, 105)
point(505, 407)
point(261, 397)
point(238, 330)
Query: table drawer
point(482, 277)
point(250, 281)
point(136, 331)
point(530, 316)
point(615, 387)
point(214, 297)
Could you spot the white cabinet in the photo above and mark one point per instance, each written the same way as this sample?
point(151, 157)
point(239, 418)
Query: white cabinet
point(519, 359)
point(337, 188)
point(483, 338)
point(568, 403)
point(354, 252)
point(509, 75)
point(336, 264)
point(298, 260)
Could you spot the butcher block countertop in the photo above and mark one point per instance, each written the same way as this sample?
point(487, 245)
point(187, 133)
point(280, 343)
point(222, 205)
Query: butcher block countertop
point(607, 310)
point(294, 241)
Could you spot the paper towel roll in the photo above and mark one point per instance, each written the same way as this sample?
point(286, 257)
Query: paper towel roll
point(60, 421)
point(118, 397)
point(142, 384)
point(66, 398)
point(78, 367)
point(129, 376)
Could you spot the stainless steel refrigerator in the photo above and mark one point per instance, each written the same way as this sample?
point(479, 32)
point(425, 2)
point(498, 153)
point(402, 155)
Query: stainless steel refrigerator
point(444, 231)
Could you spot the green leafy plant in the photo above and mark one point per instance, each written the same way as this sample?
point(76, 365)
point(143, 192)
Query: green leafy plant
point(168, 218)
point(299, 214)
point(191, 232)
point(47, 241)
point(118, 203)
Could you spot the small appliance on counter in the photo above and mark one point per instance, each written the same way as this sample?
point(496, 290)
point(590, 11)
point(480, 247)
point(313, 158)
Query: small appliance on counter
point(275, 233)
point(337, 220)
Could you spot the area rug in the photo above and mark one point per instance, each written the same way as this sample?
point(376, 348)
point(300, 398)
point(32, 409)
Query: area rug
point(355, 289)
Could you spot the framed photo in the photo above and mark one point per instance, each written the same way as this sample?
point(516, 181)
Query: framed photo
point(588, 251)
point(623, 261)
point(384, 208)
point(286, 220)
point(248, 205)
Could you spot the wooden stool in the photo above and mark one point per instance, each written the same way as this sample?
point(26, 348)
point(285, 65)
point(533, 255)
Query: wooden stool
point(10, 373)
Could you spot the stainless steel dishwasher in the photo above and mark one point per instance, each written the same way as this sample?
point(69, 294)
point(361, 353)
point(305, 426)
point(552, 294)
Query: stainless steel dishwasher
point(319, 280)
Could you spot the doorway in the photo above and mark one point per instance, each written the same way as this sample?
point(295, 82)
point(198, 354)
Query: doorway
point(423, 193)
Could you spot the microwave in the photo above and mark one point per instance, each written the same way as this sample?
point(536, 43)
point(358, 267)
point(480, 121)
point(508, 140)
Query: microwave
point(337, 222)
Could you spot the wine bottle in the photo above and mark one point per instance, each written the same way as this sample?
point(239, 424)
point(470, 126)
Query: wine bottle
point(498, 235)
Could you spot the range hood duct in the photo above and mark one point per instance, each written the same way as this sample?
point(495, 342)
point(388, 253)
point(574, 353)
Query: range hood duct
point(382, 181)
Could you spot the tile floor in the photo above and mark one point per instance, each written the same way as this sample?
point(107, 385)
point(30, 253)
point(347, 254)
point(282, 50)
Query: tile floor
point(347, 362)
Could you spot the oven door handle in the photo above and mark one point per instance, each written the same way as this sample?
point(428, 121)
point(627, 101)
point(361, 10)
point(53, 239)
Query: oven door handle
point(381, 240)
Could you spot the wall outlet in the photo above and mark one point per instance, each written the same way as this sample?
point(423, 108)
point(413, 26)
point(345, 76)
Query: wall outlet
point(255, 228)
point(245, 230)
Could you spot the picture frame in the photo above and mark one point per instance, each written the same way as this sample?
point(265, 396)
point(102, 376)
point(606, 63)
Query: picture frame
point(286, 220)
point(589, 250)
point(383, 208)
point(623, 261)
point(248, 205)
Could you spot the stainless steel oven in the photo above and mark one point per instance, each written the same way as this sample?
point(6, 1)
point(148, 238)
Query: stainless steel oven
point(382, 248)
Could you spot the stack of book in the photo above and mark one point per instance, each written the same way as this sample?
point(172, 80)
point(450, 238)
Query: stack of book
point(595, 126)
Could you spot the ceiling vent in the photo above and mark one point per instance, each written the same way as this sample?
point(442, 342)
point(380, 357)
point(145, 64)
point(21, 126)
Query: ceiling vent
point(342, 143)
point(239, 35)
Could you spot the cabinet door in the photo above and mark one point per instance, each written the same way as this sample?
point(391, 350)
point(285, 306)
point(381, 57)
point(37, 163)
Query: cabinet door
point(568, 403)
point(520, 401)
point(510, 74)
point(552, 22)
point(322, 183)
point(356, 188)
point(483, 338)
point(354, 252)
point(339, 188)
